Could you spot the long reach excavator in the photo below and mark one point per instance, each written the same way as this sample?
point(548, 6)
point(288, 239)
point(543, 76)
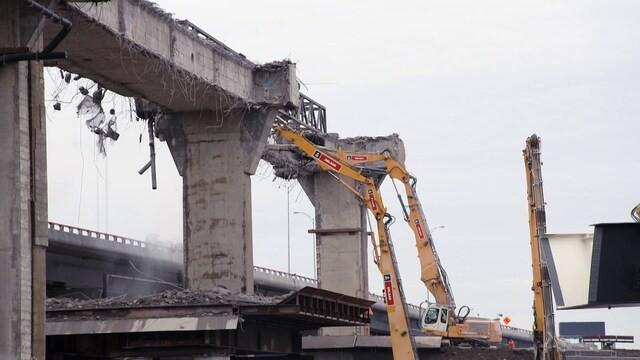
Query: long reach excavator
point(544, 338)
point(366, 170)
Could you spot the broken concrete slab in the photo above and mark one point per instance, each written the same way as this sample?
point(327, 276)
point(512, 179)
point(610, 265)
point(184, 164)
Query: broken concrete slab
point(288, 163)
point(136, 49)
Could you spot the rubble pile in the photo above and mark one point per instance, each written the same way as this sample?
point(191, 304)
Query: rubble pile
point(218, 296)
point(478, 353)
point(289, 164)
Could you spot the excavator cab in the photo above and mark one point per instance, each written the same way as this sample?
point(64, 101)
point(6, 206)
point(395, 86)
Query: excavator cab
point(435, 320)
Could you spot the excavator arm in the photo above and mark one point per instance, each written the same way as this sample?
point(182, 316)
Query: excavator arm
point(366, 190)
point(544, 324)
point(432, 273)
point(364, 169)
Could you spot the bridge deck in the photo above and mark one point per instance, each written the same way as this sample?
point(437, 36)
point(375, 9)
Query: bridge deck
point(136, 49)
point(75, 241)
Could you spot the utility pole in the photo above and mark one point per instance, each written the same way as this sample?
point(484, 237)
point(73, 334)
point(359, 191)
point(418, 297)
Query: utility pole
point(315, 244)
point(288, 232)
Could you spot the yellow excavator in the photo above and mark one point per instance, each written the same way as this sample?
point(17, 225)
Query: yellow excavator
point(545, 341)
point(439, 318)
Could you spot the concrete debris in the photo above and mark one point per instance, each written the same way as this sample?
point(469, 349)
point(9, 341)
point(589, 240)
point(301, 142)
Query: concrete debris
point(155, 9)
point(90, 112)
point(288, 163)
point(501, 353)
point(219, 296)
point(478, 353)
point(274, 65)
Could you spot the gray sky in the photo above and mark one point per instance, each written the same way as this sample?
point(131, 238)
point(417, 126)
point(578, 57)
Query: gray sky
point(462, 82)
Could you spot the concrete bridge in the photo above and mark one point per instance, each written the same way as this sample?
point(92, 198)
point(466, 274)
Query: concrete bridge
point(213, 107)
point(86, 263)
point(214, 99)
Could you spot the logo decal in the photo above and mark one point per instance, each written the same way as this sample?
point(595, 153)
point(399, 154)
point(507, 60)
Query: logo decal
point(419, 229)
point(372, 199)
point(357, 157)
point(327, 160)
point(388, 289)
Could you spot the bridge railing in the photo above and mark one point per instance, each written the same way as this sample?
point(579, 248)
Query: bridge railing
point(517, 330)
point(310, 114)
point(125, 241)
point(380, 298)
point(106, 237)
point(310, 281)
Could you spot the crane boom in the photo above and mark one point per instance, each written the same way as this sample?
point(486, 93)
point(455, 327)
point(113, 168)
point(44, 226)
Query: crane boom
point(544, 323)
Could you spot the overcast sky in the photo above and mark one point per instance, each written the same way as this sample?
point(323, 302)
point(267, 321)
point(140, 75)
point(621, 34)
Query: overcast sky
point(462, 82)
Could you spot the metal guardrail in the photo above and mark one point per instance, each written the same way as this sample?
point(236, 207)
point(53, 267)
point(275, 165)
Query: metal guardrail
point(517, 330)
point(310, 281)
point(97, 235)
point(310, 114)
point(380, 298)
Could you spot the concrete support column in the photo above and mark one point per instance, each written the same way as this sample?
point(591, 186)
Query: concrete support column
point(23, 186)
point(341, 223)
point(341, 241)
point(221, 152)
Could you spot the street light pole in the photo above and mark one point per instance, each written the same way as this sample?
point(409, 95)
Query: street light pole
point(288, 234)
point(315, 245)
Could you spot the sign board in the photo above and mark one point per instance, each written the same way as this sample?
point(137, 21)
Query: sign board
point(580, 329)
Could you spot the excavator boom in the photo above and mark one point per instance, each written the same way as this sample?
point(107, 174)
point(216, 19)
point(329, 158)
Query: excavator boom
point(431, 271)
point(403, 346)
point(363, 169)
point(544, 324)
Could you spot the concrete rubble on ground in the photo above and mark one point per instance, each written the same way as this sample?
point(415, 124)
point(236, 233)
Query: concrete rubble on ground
point(218, 296)
point(477, 353)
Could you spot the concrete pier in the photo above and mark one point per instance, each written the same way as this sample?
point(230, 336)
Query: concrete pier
point(221, 152)
point(341, 234)
point(341, 224)
point(218, 106)
point(23, 188)
point(341, 237)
